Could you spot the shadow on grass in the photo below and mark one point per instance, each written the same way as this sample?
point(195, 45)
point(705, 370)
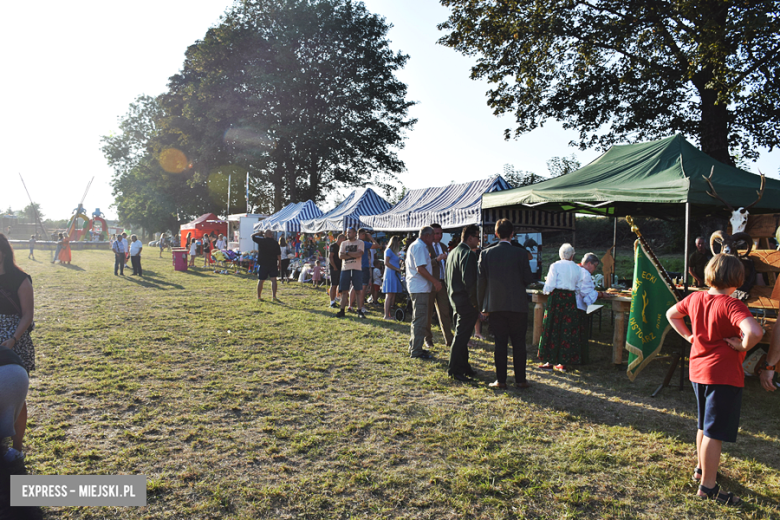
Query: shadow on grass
point(71, 267)
point(154, 283)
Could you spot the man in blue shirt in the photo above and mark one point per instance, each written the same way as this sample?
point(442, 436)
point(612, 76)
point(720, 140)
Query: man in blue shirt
point(119, 250)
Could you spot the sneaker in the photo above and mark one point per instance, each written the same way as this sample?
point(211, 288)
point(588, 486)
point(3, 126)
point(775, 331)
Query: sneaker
point(560, 368)
point(333, 304)
point(361, 315)
point(13, 455)
point(364, 310)
point(350, 309)
point(341, 313)
point(546, 367)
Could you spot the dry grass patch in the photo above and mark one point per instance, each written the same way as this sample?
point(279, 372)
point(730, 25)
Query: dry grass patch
point(239, 409)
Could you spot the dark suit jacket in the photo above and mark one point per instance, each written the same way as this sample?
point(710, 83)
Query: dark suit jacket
point(461, 277)
point(504, 272)
point(435, 265)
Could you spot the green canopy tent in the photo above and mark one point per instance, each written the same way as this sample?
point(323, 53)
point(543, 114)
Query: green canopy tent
point(659, 179)
point(656, 179)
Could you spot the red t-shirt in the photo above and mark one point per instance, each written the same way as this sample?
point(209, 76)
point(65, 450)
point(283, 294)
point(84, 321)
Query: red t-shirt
point(712, 361)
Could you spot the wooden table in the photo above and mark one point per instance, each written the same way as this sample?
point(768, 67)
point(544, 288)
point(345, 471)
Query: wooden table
point(621, 305)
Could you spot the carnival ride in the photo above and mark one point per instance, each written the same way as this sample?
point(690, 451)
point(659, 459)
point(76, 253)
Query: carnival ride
point(82, 227)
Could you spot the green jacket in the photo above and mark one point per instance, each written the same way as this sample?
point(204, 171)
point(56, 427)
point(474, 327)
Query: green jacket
point(461, 277)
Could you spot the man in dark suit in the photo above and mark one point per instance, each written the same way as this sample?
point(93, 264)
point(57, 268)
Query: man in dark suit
point(504, 273)
point(461, 278)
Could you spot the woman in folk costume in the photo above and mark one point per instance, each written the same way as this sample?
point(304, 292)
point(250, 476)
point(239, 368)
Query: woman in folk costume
point(561, 341)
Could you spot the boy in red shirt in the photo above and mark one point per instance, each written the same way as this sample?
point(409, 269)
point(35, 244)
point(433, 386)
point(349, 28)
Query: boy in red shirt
point(723, 330)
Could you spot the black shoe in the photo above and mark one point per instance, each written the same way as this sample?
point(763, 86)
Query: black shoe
point(425, 355)
point(333, 305)
point(470, 372)
point(341, 314)
point(361, 315)
point(461, 377)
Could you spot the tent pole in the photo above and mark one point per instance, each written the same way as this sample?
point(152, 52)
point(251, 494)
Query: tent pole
point(679, 357)
point(614, 246)
point(687, 239)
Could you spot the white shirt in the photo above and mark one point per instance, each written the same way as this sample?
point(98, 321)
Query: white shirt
point(135, 247)
point(124, 245)
point(438, 249)
point(587, 293)
point(563, 274)
point(417, 257)
point(221, 243)
point(377, 276)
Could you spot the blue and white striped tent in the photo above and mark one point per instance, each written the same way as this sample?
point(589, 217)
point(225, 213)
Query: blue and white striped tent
point(288, 219)
point(452, 206)
point(360, 203)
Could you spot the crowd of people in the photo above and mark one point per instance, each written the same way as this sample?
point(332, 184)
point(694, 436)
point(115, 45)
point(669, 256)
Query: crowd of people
point(465, 285)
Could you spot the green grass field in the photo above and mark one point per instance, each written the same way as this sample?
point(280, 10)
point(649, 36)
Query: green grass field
point(238, 409)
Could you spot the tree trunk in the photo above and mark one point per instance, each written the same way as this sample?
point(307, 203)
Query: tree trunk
point(714, 127)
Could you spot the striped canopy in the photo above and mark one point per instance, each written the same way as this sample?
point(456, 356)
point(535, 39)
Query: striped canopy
point(360, 203)
point(288, 219)
point(452, 206)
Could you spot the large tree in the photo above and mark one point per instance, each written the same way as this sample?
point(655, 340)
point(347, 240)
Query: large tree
point(626, 70)
point(151, 190)
point(302, 94)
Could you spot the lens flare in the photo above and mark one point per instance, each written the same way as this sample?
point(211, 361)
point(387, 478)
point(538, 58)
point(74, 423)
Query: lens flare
point(173, 160)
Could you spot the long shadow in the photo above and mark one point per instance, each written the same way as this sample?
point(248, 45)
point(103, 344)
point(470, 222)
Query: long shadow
point(71, 267)
point(152, 283)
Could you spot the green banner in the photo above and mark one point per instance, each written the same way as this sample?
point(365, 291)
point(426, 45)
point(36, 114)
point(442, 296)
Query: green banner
point(651, 297)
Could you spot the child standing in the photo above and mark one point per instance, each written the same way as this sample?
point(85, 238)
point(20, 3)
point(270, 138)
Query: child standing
point(376, 281)
point(316, 273)
point(723, 330)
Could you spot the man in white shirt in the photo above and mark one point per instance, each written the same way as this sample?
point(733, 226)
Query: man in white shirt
point(419, 282)
point(221, 243)
point(439, 298)
point(135, 255)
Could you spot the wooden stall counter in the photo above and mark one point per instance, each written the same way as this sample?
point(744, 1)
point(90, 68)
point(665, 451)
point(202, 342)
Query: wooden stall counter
point(621, 305)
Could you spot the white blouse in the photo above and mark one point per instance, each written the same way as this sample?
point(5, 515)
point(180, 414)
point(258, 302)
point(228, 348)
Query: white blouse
point(563, 274)
point(587, 293)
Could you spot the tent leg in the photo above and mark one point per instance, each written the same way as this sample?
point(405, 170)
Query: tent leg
point(614, 247)
point(687, 239)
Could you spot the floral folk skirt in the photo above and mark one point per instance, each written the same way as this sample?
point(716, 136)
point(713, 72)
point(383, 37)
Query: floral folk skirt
point(562, 331)
point(24, 347)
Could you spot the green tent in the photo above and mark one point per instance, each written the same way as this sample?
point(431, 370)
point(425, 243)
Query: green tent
point(652, 179)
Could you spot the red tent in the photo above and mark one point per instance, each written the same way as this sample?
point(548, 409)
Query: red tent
point(202, 225)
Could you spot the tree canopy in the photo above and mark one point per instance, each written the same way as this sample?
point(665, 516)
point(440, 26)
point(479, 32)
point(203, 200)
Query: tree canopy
point(301, 95)
point(627, 70)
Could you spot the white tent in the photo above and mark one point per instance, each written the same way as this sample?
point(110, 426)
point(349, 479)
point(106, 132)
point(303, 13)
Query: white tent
point(350, 213)
point(451, 206)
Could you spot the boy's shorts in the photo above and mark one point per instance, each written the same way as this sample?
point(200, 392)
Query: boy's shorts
point(352, 276)
point(719, 409)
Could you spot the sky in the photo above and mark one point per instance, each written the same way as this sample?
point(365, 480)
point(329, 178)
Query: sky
point(74, 69)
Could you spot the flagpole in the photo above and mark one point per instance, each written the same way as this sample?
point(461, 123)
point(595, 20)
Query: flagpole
point(654, 259)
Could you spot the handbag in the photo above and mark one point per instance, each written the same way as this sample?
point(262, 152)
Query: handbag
point(8, 297)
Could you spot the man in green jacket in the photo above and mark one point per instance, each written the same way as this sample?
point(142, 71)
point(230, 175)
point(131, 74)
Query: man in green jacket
point(462, 290)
